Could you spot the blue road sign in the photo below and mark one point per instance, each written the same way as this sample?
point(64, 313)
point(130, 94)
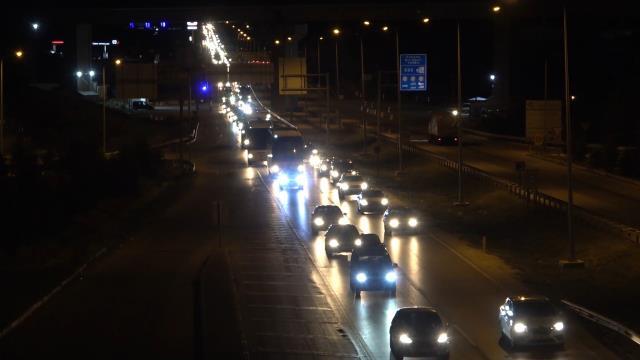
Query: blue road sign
point(413, 72)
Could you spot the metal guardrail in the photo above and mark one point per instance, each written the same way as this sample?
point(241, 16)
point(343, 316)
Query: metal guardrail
point(603, 321)
point(273, 114)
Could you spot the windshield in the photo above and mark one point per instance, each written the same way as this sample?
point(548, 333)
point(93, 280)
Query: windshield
point(373, 193)
point(343, 231)
point(352, 178)
point(259, 138)
point(288, 148)
point(374, 260)
point(535, 309)
point(425, 320)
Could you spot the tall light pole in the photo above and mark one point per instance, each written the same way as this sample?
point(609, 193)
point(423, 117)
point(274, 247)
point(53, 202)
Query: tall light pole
point(19, 54)
point(458, 114)
point(362, 92)
point(572, 261)
point(336, 32)
point(400, 165)
point(319, 40)
point(104, 111)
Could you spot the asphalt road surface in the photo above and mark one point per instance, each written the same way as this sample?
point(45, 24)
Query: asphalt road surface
point(138, 300)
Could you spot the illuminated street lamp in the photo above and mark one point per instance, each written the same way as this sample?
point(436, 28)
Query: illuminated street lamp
point(277, 42)
point(35, 26)
point(118, 61)
point(336, 31)
point(19, 54)
point(366, 23)
point(385, 28)
point(289, 38)
point(454, 112)
point(496, 9)
point(425, 20)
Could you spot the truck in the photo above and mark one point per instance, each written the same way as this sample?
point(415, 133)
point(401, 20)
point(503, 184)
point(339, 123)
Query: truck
point(442, 128)
point(257, 140)
point(287, 158)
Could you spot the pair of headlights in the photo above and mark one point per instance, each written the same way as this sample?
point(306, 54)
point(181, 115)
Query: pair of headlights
point(394, 223)
point(389, 277)
point(520, 327)
point(365, 202)
point(442, 338)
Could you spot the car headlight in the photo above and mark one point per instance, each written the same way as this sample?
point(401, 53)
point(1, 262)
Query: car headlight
point(361, 277)
point(333, 243)
point(384, 201)
point(300, 179)
point(314, 151)
point(358, 242)
point(413, 222)
point(240, 126)
point(364, 202)
point(323, 167)
point(405, 339)
point(250, 156)
point(343, 221)
point(344, 186)
point(391, 276)
point(300, 168)
point(275, 169)
point(242, 132)
point(443, 338)
point(334, 173)
point(520, 327)
point(364, 186)
point(318, 221)
point(246, 142)
point(283, 179)
point(394, 223)
point(558, 326)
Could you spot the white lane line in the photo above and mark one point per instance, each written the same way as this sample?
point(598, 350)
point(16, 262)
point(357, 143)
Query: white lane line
point(468, 261)
point(38, 304)
point(358, 340)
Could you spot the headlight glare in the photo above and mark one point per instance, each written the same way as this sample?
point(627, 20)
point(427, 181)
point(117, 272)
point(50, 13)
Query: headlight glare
point(333, 243)
point(334, 173)
point(384, 201)
point(364, 202)
point(323, 167)
point(413, 222)
point(361, 277)
point(275, 169)
point(300, 179)
point(364, 186)
point(300, 168)
point(443, 338)
point(318, 221)
point(358, 242)
point(520, 327)
point(391, 276)
point(405, 339)
point(394, 223)
point(246, 142)
point(344, 186)
point(250, 156)
point(558, 326)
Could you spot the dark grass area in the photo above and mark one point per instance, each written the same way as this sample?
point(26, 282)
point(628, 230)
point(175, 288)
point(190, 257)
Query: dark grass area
point(530, 239)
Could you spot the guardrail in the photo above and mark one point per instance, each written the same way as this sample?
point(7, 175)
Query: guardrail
point(273, 114)
point(603, 321)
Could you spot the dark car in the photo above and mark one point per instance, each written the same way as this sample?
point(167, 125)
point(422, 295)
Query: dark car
point(368, 241)
point(371, 270)
point(324, 216)
point(418, 332)
point(341, 239)
point(325, 167)
point(401, 220)
point(372, 202)
point(531, 320)
point(351, 185)
point(337, 168)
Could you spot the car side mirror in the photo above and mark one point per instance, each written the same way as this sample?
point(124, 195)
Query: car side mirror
point(395, 265)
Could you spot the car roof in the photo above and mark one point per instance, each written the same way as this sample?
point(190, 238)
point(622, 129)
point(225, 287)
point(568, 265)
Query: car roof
point(526, 298)
point(426, 309)
point(326, 207)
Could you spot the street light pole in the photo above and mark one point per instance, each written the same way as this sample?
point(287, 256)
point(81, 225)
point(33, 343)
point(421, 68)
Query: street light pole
point(337, 73)
point(2, 107)
point(104, 112)
point(319, 39)
point(460, 201)
point(362, 102)
point(567, 114)
point(400, 167)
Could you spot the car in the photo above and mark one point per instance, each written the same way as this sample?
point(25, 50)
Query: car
point(324, 216)
point(401, 220)
point(337, 168)
point(351, 185)
point(371, 269)
point(325, 167)
point(372, 202)
point(368, 241)
point(291, 179)
point(341, 238)
point(418, 332)
point(530, 320)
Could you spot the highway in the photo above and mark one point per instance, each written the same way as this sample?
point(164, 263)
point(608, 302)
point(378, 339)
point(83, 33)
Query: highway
point(138, 300)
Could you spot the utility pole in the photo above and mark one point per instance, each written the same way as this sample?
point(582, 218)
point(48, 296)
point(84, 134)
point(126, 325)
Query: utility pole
point(458, 114)
point(400, 167)
point(572, 261)
point(378, 106)
point(104, 111)
point(363, 100)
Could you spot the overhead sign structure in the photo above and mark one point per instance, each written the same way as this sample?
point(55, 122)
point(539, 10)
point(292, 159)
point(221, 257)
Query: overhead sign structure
point(413, 72)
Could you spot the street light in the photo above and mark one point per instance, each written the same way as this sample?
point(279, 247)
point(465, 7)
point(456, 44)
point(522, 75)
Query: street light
point(118, 61)
point(425, 20)
point(454, 112)
point(289, 38)
point(78, 74)
point(492, 77)
point(366, 23)
point(92, 73)
point(496, 9)
point(277, 42)
point(336, 31)
point(19, 54)
point(35, 26)
point(385, 28)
